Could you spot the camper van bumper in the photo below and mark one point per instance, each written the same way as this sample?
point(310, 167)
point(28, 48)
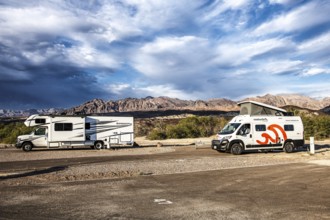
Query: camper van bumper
point(19, 143)
point(220, 145)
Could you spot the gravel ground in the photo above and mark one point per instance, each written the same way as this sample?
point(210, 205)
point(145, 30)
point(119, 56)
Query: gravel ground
point(122, 169)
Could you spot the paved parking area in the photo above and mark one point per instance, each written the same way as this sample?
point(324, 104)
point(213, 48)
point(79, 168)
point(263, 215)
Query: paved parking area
point(287, 191)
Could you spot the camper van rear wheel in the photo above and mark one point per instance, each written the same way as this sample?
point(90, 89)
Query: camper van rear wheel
point(98, 145)
point(288, 147)
point(236, 149)
point(27, 146)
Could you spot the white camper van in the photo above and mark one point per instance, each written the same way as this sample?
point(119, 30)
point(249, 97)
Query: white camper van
point(260, 127)
point(69, 131)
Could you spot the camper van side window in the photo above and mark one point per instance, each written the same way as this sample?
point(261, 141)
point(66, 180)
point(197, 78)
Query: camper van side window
point(40, 120)
point(63, 126)
point(260, 127)
point(288, 128)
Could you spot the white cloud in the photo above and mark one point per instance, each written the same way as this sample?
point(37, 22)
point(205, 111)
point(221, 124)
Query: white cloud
point(218, 7)
point(149, 90)
point(86, 56)
point(315, 71)
point(173, 58)
point(310, 14)
point(317, 44)
point(35, 20)
point(237, 53)
point(279, 66)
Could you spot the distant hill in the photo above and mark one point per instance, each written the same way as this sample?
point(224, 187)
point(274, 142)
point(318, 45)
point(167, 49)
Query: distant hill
point(160, 106)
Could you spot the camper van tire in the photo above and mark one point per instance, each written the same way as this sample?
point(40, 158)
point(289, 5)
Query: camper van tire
point(236, 149)
point(288, 147)
point(27, 146)
point(98, 145)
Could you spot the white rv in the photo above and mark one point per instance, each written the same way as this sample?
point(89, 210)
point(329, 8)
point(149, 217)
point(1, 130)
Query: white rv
point(260, 127)
point(69, 131)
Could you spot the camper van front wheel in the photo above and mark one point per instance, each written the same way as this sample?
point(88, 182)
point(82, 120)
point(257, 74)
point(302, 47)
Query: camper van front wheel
point(27, 146)
point(98, 145)
point(236, 149)
point(288, 147)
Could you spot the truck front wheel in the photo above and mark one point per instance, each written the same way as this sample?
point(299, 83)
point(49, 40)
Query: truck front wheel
point(288, 147)
point(236, 149)
point(98, 145)
point(27, 146)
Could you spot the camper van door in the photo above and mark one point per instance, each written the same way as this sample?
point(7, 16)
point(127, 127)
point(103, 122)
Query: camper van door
point(244, 133)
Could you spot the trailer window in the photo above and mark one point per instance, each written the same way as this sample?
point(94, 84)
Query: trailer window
point(40, 120)
point(63, 126)
point(288, 128)
point(260, 127)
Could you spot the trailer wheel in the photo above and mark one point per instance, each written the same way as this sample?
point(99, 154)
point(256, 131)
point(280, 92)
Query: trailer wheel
point(98, 145)
point(288, 147)
point(27, 146)
point(236, 149)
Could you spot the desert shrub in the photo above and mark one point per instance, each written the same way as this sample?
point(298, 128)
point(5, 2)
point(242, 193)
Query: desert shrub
point(10, 131)
point(317, 126)
point(156, 134)
point(190, 127)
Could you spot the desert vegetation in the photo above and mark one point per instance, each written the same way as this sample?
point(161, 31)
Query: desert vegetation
point(9, 131)
point(317, 126)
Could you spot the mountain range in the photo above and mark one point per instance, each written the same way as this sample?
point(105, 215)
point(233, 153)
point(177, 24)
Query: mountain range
point(177, 106)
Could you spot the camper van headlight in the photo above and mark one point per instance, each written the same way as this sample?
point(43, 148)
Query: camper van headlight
point(226, 137)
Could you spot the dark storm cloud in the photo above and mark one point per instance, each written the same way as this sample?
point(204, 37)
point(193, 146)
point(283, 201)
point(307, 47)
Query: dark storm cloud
point(49, 86)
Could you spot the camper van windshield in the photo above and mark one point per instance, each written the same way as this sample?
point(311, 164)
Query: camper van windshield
point(230, 128)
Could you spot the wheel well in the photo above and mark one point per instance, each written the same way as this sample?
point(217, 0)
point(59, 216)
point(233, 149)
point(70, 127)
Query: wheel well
point(98, 141)
point(289, 141)
point(27, 142)
point(236, 141)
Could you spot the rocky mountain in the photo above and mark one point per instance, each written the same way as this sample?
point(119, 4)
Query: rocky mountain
point(174, 106)
point(28, 112)
point(292, 99)
point(152, 104)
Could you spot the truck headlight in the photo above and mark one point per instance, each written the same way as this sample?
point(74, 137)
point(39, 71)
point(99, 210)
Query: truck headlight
point(226, 137)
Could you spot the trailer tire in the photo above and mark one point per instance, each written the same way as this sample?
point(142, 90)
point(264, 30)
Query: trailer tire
point(98, 145)
point(288, 147)
point(236, 149)
point(27, 146)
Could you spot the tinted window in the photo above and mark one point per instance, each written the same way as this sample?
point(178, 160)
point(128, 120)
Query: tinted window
point(260, 127)
point(87, 125)
point(63, 126)
point(40, 121)
point(288, 128)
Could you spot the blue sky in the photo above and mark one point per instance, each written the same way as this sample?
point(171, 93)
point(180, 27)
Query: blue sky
point(62, 53)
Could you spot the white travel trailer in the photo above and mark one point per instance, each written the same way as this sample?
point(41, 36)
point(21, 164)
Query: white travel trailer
point(260, 127)
point(69, 131)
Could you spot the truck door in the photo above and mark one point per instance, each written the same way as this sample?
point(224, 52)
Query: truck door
point(40, 137)
point(244, 133)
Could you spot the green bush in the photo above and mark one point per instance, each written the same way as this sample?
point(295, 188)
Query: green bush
point(190, 127)
point(10, 131)
point(317, 126)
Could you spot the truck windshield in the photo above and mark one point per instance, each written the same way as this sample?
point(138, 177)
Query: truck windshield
point(230, 128)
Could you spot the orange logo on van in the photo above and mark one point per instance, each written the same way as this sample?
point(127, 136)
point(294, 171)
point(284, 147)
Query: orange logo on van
point(268, 138)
